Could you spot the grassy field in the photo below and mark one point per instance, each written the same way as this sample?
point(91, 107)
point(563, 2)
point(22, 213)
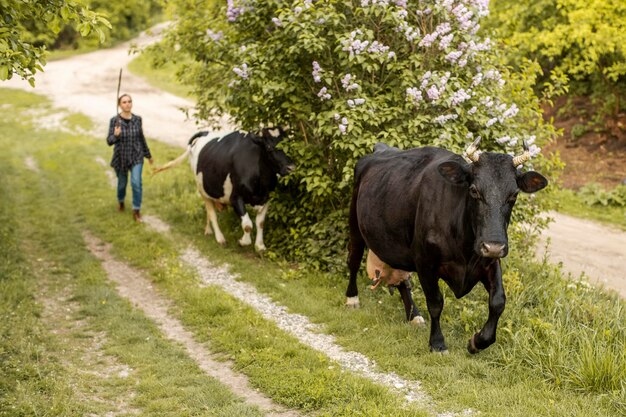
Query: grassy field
point(561, 348)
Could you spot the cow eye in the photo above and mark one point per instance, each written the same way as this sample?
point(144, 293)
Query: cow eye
point(474, 192)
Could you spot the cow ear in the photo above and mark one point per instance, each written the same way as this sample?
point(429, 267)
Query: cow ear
point(531, 182)
point(454, 172)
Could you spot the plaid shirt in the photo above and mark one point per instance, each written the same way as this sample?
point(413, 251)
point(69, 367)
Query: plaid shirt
point(130, 146)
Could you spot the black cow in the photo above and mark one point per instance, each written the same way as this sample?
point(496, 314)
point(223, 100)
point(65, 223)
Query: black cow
point(428, 210)
point(236, 169)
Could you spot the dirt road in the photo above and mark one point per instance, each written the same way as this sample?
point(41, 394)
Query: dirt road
point(87, 83)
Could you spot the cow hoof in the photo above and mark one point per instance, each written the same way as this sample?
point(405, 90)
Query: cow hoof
point(471, 346)
point(208, 232)
point(353, 302)
point(442, 350)
point(245, 241)
point(222, 242)
point(260, 248)
point(418, 321)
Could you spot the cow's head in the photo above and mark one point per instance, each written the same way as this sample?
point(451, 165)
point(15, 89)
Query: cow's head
point(267, 139)
point(492, 182)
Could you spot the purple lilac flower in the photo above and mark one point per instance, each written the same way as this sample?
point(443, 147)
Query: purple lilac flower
point(534, 150)
point(391, 55)
point(433, 93)
point(216, 37)
point(453, 56)
point(472, 110)
point(277, 21)
point(316, 72)
point(354, 46)
point(491, 121)
point(347, 85)
point(359, 101)
point(444, 42)
point(343, 126)
point(413, 94)
point(444, 118)
point(503, 140)
point(510, 112)
point(400, 3)
point(323, 94)
point(242, 72)
point(428, 39)
point(531, 139)
point(377, 48)
point(477, 79)
point(459, 97)
point(233, 12)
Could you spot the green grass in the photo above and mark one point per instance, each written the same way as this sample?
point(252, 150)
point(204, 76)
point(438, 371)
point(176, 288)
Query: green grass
point(163, 78)
point(568, 202)
point(560, 349)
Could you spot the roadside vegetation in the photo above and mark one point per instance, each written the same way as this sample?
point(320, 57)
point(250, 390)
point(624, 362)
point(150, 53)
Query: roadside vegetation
point(560, 348)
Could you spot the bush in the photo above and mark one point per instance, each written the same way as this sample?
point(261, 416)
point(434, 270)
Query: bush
point(345, 75)
point(578, 43)
point(594, 194)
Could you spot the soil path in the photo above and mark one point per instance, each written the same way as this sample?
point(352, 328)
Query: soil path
point(87, 83)
point(137, 289)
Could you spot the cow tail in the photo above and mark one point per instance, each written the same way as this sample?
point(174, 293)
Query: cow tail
point(173, 163)
point(181, 158)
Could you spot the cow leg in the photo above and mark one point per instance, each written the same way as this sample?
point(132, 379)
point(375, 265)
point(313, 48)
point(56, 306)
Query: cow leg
point(356, 247)
point(246, 223)
point(260, 222)
point(497, 301)
point(412, 313)
point(434, 301)
point(212, 222)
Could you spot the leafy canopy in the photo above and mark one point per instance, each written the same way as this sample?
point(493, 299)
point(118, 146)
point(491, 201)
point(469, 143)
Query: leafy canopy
point(23, 58)
point(345, 75)
point(579, 42)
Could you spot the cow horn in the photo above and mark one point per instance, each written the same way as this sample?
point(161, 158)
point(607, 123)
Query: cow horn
point(520, 159)
point(472, 152)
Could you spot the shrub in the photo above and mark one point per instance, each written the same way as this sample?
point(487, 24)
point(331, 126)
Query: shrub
point(578, 43)
point(593, 194)
point(345, 75)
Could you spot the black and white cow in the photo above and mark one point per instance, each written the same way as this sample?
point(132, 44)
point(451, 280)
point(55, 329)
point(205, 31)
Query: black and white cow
point(428, 210)
point(236, 169)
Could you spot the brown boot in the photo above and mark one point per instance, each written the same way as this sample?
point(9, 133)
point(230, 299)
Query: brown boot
point(121, 206)
point(137, 215)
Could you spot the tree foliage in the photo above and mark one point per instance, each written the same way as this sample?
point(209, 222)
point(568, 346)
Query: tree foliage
point(582, 42)
point(345, 75)
point(21, 52)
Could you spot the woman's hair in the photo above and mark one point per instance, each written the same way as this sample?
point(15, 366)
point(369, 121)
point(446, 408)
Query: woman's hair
point(119, 99)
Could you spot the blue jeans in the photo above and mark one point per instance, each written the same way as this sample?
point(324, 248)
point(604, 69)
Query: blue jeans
point(135, 183)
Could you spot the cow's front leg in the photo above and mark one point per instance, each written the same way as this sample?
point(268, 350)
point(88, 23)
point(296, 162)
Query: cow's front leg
point(246, 223)
point(434, 302)
point(260, 222)
point(497, 301)
point(211, 222)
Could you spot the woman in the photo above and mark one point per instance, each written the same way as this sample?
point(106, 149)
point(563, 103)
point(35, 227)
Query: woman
point(126, 133)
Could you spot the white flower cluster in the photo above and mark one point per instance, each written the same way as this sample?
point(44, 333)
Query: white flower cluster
point(343, 124)
point(347, 85)
point(324, 94)
point(215, 37)
point(242, 72)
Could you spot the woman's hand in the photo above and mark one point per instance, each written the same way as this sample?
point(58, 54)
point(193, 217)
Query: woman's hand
point(117, 130)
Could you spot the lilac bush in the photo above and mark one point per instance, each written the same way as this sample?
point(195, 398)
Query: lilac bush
point(345, 75)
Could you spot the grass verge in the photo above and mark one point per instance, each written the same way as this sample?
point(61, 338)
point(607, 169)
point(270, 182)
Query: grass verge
point(560, 349)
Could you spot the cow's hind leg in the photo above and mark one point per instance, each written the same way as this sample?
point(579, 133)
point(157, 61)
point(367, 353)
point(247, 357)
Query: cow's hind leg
point(212, 222)
point(246, 223)
point(412, 313)
point(260, 223)
point(434, 301)
point(497, 301)
point(356, 247)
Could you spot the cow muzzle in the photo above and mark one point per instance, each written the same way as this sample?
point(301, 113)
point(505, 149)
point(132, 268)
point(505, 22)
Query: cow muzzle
point(493, 249)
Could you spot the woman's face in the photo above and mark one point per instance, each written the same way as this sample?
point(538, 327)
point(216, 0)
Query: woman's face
point(126, 103)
